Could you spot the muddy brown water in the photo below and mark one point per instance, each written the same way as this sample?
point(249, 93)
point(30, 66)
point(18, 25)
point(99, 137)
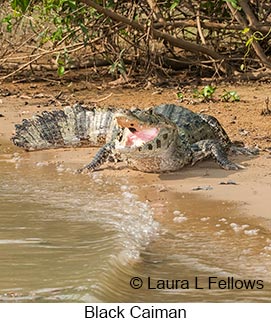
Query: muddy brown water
point(66, 237)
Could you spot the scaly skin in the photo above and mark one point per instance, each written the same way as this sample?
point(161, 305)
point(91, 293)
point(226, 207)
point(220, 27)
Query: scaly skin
point(163, 138)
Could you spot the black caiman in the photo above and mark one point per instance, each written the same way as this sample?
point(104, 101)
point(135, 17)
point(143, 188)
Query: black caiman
point(161, 139)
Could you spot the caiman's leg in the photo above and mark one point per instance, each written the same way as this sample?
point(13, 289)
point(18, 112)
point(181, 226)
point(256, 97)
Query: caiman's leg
point(212, 148)
point(103, 155)
point(248, 151)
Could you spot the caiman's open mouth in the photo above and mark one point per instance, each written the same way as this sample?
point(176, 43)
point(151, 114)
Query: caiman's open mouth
point(136, 134)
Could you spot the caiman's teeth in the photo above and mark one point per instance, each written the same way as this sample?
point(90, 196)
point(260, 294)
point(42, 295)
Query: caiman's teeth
point(138, 143)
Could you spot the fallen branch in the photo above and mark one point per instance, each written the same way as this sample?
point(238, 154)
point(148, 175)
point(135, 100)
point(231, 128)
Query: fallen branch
point(37, 57)
point(177, 42)
point(253, 21)
point(102, 99)
point(199, 28)
point(264, 28)
point(261, 74)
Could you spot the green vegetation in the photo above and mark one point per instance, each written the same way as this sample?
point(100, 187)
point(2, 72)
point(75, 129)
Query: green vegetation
point(180, 96)
point(230, 96)
point(148, 38)
point(205, 94)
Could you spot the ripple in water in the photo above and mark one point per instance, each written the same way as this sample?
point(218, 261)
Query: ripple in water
point(101, 222)
point(81, 238)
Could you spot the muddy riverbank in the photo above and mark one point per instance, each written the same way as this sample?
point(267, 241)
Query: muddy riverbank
point(198, 222)
point(242, 120)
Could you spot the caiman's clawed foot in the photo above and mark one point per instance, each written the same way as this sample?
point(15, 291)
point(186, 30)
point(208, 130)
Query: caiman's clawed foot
point(102, 156)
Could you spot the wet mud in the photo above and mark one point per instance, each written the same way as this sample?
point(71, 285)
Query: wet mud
point(187, 235)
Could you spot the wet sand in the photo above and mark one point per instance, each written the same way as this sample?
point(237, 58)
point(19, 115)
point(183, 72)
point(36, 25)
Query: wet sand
point(205, 227)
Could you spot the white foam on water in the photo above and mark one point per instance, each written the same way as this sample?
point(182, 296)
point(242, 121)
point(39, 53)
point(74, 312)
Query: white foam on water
point(177, 212)
point(130, 218)
point(204, 219)
point(252, 232)
point(238, 228)
point(180, 219)
point(112, 205)
point(42, 163)
point(120, 225)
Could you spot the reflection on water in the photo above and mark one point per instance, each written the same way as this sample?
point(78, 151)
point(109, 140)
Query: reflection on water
point(66, 237)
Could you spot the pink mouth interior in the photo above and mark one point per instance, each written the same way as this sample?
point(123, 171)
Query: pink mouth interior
point(144, 135)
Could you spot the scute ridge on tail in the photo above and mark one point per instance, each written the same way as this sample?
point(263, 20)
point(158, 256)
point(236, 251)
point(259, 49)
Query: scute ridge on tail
point(73, 126)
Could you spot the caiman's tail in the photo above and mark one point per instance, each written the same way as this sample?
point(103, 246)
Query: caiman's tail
point(72, 126)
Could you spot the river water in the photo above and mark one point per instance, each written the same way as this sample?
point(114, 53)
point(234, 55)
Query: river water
point(81, 238)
